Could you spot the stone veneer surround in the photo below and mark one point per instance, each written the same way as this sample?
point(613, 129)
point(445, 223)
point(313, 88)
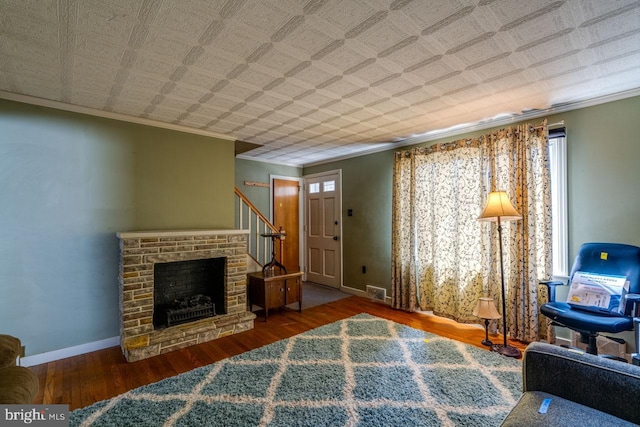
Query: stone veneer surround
point(139, 251)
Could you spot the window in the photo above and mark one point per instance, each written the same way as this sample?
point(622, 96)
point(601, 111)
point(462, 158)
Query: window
point(329, 186)
point(314, 187)
point(558, 166)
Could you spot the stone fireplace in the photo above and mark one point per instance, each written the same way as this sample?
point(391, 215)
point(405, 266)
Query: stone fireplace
point(216, 260)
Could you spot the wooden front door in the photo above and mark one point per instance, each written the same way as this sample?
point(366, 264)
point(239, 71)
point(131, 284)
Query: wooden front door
point(286, 214)
point(323, 252)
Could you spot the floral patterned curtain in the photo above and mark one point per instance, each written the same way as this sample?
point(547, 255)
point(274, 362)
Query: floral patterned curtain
point(443, 258)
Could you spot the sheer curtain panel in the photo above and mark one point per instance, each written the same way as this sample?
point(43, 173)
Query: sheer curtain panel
point(443, 259)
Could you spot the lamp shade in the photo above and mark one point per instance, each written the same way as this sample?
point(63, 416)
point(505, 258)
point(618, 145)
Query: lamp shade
point(486, 309)
point(499, 206)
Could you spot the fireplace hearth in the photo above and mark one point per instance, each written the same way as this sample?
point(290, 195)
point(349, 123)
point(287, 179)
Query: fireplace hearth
point(203, 297)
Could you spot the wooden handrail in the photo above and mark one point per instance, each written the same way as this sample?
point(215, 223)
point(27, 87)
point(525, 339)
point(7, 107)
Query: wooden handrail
point(258, 225)
point(255, 210)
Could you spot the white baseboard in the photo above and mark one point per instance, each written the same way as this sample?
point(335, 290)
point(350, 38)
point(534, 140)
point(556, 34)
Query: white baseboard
point(50, 356)
point(361, 293)
point(353, 291)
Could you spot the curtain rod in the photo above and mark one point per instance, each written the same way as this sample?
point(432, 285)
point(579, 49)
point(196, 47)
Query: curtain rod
point(560, 123)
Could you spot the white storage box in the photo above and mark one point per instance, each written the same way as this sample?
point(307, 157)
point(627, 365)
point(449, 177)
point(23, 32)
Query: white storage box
point(604, 344)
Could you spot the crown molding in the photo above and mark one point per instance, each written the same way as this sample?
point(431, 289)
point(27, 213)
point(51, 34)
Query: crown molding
point(26, 99)
point(436, 134)
point(272, 162)
point(418, 139)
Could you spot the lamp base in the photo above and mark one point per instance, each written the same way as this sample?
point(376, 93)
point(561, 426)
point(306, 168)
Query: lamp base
point(488, 343)
point(506, 350)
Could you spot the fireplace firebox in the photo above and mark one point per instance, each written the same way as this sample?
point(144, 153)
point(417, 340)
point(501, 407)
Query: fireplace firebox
point(185, 291)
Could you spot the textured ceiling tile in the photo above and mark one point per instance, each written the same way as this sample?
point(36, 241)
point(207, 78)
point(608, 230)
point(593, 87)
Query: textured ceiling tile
point(542, 29)
point(614, 28)
point(45, 10)
point(40, 88)
point(215, 63)
point(345, 15)
point(387, 38)
point(264, 16)
point(510, 14)
point(294, 108)
point(318, 116)
point(96, 50)
point(269, 101)
point(396, 85)
point(424, 16)
point(4, 80)
point(180, 20)
point(196, 120)
point(316, 75)
point(373, 74)
point(255, 77)
point(89, 99)
point(432, 71)
point(313, 76)
point(222, 102)
point(168, 46)
point(493, 69)
point(144, 83)
point(277, 61)
point(307, 40)
point(341, 107)
point(386, 107)
point(178, 105)
point(497, 45)
point(341, 87)
point(32, 58)
point(253, 110)
point(345, 58)
point(365, 97)
point(132, 110)
point(238, 42)
point(100, 21)
point(235, 91)
point(31, 29)
point(186, 93)
point(289, 90)
point(507, 83)
point(199, 79)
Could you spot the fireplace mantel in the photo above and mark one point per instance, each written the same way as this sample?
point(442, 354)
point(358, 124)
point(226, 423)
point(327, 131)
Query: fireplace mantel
point(140, 251)
point(175, 233)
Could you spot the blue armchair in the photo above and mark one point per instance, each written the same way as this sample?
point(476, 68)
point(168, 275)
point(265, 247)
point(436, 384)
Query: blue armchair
point(608, 259)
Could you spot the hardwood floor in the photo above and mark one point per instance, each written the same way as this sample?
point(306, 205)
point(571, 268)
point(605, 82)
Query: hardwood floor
point(82, 380)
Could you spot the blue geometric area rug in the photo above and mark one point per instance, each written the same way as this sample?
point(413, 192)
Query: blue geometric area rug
point(361, 371)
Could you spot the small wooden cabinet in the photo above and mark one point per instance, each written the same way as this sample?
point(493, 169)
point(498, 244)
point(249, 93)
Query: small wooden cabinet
point(274, 291)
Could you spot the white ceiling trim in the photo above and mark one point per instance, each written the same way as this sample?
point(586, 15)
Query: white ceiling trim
point(435, 135)
point(26, 99)
point(419, 139)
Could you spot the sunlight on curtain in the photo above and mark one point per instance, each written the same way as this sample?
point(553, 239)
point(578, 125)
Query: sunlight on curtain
point(443, 259)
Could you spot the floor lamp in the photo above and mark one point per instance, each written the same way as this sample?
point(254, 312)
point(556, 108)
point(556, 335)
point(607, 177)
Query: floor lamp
point(499, 209)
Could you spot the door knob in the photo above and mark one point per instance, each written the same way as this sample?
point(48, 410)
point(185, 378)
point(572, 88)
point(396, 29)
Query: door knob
point(335, 237)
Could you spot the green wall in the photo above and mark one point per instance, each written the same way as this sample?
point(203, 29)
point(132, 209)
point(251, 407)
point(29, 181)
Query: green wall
point(603, 177)
point(603, 174)
point(68, 183)
point(366, 236)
